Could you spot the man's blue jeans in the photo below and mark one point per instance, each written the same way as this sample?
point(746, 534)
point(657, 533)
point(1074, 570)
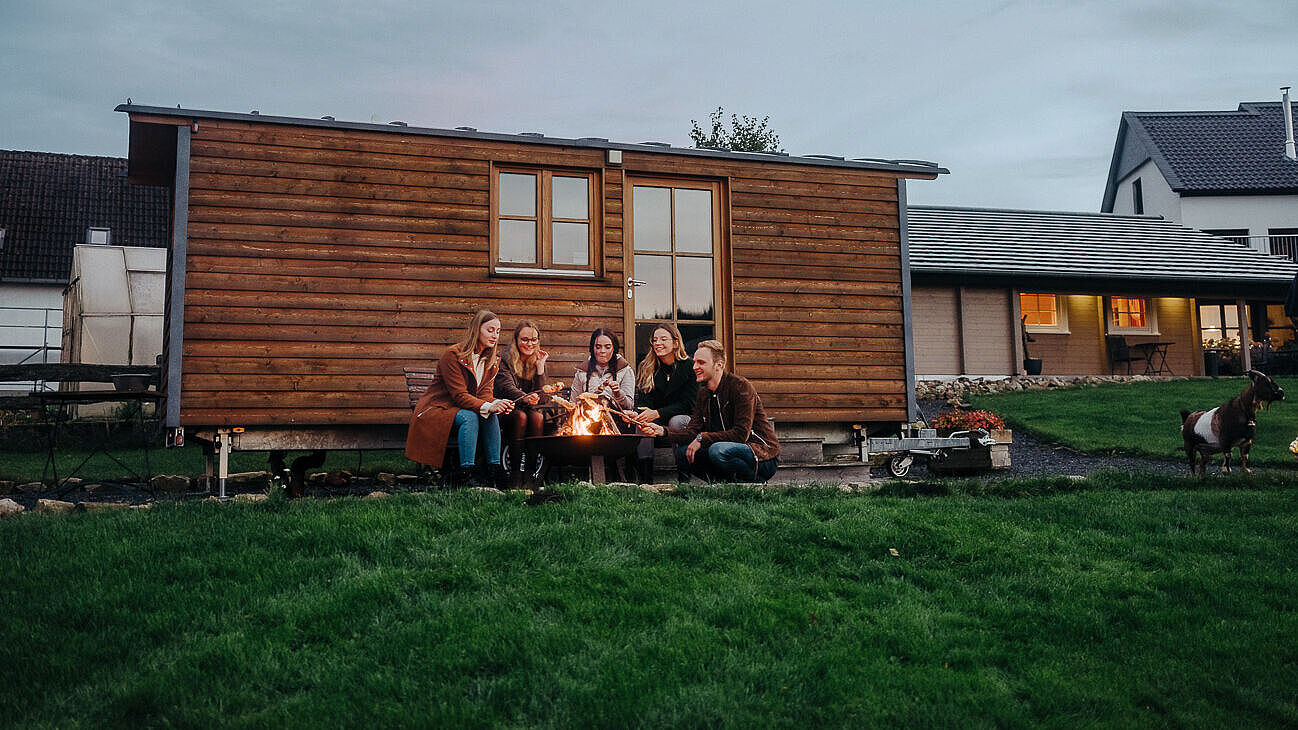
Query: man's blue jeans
point(468, 427)
point(726, 461)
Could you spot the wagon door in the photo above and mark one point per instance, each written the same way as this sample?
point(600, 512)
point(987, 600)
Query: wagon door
point(674, 270)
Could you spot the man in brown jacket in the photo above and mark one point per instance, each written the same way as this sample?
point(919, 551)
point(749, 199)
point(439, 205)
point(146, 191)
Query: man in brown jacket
point(729, 437)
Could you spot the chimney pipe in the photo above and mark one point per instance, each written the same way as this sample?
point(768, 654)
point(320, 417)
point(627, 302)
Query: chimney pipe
point(1288, 126)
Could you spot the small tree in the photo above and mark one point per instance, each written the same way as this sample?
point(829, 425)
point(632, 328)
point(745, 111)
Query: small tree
point(746, 134)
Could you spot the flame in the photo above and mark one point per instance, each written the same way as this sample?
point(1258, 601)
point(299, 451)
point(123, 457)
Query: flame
point(587, 417)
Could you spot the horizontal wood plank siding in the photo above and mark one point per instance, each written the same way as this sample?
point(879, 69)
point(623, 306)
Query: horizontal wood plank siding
point(323, 261)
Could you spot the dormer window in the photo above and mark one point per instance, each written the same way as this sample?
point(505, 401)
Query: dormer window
point(1137, 197)
point(98, 236)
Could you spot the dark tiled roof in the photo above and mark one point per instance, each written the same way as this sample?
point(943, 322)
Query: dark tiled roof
point(1210, 153)
point(47, 201)
point(1044, 244)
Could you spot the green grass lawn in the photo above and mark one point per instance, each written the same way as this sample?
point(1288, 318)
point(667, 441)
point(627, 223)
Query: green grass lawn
point(1141, 418)
point(1099, 602)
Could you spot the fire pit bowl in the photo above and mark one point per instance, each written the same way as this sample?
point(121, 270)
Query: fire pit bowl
point(579, 449)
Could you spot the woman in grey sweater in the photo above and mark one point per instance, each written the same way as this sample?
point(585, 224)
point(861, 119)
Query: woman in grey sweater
point(606, 366)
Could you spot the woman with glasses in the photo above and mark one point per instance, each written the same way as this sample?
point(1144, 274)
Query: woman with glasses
point(521, 378)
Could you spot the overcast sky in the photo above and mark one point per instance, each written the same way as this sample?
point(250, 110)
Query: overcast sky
point(1020, 100)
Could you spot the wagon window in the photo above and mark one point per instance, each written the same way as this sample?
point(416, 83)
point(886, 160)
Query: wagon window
point(543, 222)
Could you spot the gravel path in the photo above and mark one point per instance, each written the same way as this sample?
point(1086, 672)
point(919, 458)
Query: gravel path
point(1030, 457)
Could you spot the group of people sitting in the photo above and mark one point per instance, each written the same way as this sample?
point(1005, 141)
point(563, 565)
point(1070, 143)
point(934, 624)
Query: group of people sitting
point(713, 418)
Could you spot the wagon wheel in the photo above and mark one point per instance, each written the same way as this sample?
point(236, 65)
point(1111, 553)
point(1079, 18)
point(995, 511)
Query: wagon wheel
point(899, 464)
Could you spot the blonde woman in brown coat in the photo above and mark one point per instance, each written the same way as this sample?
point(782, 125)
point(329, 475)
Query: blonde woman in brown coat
point(461, 400)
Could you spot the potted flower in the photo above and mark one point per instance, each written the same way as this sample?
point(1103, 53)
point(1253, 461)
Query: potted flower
point(977, 457)
point(1031, 365)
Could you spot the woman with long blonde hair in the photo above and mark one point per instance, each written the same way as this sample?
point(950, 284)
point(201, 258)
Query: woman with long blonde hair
point(520, 379)
point(461, 400)
point(665, 391)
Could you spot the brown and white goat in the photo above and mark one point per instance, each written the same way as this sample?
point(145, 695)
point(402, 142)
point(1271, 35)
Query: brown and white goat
point(1228, 426)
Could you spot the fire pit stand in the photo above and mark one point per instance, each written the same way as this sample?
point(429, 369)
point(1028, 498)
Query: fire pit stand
point(578, 449)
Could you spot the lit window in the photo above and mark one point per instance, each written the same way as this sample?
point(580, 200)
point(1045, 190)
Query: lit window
point(1043, 312)
point(1131, 314)
point(543, 221)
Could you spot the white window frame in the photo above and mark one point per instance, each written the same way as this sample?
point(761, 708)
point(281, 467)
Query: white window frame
point(1061, 315)
point(1151, 317)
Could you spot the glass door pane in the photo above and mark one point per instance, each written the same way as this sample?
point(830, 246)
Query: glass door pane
point(692, 219)
point(653, 300)
point(693, 287)
point(651, 217)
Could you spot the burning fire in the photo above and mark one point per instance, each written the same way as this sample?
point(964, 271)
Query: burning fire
point(587, 417)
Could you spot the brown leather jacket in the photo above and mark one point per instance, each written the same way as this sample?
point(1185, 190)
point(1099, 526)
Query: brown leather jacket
point(434, 416)
point(733, 413)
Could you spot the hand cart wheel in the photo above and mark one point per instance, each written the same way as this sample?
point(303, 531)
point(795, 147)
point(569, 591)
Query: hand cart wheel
point(899, 464)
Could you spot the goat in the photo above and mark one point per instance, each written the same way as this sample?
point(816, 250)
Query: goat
point(1230, 425)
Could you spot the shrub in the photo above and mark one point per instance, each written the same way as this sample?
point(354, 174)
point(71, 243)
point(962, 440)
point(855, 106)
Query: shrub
point(962, 420)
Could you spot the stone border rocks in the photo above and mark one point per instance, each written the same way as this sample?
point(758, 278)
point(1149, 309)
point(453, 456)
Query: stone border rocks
point(956, 388)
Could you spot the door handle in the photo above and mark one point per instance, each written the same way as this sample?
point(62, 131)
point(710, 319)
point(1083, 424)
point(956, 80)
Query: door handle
point(631, 284)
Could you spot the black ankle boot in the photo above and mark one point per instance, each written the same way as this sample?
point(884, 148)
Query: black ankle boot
point(471, 477)
point(517, 465)
point(518, 472)
point(496, 477)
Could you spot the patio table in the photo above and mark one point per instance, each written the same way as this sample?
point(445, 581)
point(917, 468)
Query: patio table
point(1155, 354)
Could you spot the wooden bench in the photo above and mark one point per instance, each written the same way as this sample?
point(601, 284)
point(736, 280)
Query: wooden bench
point(418, 380)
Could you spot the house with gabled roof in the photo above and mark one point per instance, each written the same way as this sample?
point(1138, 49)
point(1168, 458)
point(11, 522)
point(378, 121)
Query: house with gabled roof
point(1228, 173)
point(49, 203)
point(1081, 283)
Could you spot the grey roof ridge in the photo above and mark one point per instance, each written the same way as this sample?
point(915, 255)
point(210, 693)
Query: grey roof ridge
point(1078, 213)
point(1246, 110)
point(1029, 273)
point(896, 165)
point(1154, 152)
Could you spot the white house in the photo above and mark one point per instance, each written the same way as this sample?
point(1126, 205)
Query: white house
point(1223, 172)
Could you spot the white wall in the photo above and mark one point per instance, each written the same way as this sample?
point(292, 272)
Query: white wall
point(1158, 195)
point(1257, 213)
point(24, 319)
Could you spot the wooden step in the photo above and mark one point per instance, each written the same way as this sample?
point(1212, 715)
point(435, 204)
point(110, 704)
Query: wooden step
point(852, 472)
point(803, 450)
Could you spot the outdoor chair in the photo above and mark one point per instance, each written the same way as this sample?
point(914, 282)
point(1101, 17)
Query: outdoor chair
point(1119, 352)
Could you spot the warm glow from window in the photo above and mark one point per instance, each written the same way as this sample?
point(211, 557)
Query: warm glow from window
point(1127, 312)
point(1041, 310)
